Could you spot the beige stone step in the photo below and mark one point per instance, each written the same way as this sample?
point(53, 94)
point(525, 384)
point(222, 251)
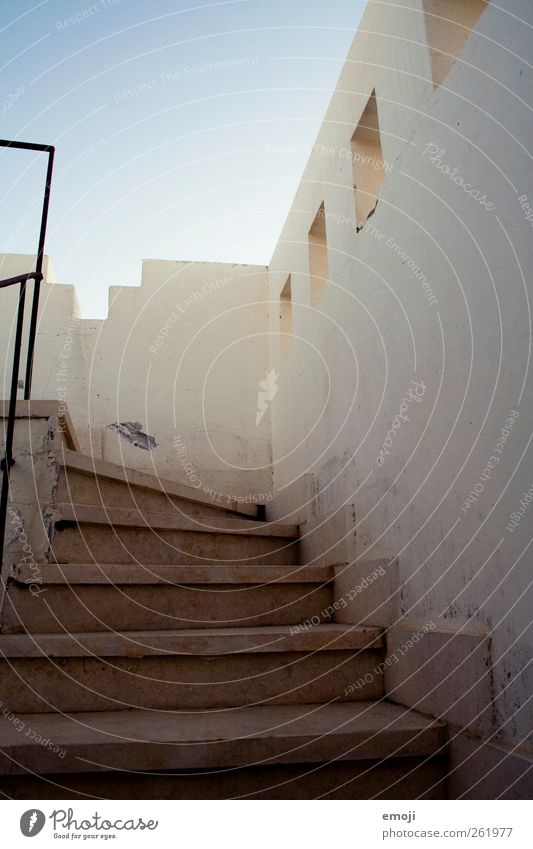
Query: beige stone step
point(219, 573)
point(85, 597)
point(85, 532)
point(87, 480)
point(100, 544)
point(124, 517)
point(194, 642)
point(390, 778)
point(243, 737)
point(197, 668)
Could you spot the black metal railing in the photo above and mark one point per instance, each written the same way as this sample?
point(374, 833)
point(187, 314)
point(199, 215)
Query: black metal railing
point(22, 280)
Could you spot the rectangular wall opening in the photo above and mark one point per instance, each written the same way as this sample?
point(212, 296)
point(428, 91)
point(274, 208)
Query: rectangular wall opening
point(367, 161)
point(448, 25)
point(318, 255)
point(285, 316)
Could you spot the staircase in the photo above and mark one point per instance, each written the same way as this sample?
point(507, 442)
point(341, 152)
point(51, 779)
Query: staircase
point(157, 654)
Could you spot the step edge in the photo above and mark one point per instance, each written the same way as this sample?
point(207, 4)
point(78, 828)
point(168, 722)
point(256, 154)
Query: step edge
point(422, 739)
point(177, 575)
point(90, 514)
point(210, 642)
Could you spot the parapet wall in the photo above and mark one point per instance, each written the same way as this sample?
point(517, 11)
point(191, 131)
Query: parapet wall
point(169, 382)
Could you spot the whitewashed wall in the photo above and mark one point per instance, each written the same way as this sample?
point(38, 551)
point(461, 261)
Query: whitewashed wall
point(450, 355)
point(178, 359)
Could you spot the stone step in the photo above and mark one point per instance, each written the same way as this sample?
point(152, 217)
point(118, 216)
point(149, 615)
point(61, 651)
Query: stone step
point(124, 517)
point(194, 642)
point(87, 480)
point(246, 742)
point(218, 573)
point(190, 669)
point(391, 778)
point(85, 597)
point(85, 533)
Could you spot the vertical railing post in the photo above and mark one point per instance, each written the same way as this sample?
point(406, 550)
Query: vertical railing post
point(7, 461)
point(38, 269)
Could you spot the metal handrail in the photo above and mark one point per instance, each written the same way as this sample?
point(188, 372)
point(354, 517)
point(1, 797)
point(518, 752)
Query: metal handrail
point(22, 280)
point(10, 281)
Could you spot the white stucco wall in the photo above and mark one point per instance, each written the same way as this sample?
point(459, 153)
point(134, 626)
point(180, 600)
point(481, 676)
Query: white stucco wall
point(182, 356)
point(376, 329)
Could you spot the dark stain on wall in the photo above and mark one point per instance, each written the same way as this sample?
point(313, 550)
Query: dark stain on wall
point(133, 433)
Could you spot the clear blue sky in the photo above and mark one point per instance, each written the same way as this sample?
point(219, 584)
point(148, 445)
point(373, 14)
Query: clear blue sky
point(161, 152)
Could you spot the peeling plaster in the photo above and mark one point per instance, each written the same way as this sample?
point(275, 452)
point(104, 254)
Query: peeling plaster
point(133, 433)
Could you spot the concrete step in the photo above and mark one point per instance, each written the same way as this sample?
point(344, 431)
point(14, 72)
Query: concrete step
point(239, 737)
point(239, 740)
point(189, 669)
point(87, 480)
point(391, 778)
point(194, 642)
point(85, 597)
point(165, 521)
point(217, 573)
point(85, 533)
